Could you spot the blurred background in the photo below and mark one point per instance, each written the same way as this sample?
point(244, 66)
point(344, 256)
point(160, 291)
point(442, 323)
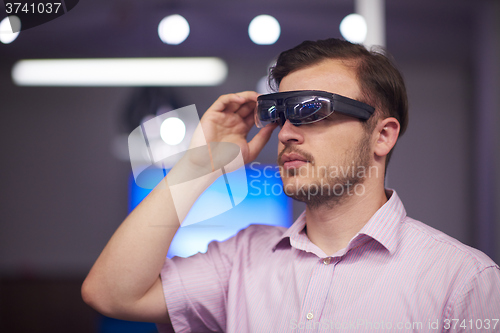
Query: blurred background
point(64, 180)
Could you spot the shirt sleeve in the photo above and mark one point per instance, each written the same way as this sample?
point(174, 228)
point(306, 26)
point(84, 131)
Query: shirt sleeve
point(477, 308)
point(195, 288)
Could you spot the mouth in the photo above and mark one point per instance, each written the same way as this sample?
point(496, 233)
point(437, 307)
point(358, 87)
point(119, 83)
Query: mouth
point(293, 161)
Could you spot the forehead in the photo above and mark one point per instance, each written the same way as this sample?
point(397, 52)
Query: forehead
point(332, 75)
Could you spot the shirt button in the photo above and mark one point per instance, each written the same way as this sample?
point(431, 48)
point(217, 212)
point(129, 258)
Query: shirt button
point(326, 261)
point(309, 316)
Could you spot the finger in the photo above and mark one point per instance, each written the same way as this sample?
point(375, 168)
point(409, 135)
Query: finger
point(250, 101)
point(249, 106)
point(249, 95)
point(246, 109)
point(227, 103)
point(232, 102)
point(249, 120)
point(259, 141)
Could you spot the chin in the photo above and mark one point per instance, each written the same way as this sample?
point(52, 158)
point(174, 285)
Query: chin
point(294, 184)
point(322, 191)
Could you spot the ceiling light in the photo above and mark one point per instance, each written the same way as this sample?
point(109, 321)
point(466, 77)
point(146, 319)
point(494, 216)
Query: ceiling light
point(173, 29)
point(353, 28)
point(172, 131)
point(264, 30)
point(7, 26)
point(120, 72)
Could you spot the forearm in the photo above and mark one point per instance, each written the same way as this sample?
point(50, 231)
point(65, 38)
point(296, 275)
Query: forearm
point(131, 262)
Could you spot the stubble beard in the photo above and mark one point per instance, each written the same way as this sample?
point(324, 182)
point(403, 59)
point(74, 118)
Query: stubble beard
point(329, 191)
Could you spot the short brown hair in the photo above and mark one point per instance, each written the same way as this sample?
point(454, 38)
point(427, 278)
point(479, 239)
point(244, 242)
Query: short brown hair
point(381, 83)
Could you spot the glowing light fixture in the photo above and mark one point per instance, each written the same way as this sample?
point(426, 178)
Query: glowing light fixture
point(120, 72)
point(172, 131)
point(173, 29)
point(264, 30)
point(373, 11)
point(6, 34)
point(353, 28)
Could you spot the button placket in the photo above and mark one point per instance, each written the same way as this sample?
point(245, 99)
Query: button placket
point(318, 289)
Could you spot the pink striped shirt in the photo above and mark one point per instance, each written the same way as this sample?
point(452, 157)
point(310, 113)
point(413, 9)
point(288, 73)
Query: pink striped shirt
point(396, 275)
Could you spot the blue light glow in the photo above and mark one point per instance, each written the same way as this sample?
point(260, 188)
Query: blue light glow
point(265, 203)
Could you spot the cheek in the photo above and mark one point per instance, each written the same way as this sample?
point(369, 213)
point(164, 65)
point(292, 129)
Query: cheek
point(333, 151)
point(340, 139)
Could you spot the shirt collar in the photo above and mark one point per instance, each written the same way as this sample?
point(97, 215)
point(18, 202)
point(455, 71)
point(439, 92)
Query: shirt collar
point(383, 227)
point(295, 235)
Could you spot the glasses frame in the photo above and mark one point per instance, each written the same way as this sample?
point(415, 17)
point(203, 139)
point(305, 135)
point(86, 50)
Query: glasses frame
point(338, 103)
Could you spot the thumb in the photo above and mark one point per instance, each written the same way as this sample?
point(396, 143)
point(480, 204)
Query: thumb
point(259, 141)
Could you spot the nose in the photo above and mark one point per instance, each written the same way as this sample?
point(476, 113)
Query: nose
point(290, 134)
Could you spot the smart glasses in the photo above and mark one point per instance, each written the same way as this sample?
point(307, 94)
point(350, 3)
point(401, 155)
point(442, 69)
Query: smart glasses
point(305, 107)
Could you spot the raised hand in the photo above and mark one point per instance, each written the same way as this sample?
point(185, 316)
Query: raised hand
point(230, 118)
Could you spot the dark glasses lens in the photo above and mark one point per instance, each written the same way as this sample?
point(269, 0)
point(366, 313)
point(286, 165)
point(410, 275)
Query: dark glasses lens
point(307, 109)
point(267, 111)
point(298, 110)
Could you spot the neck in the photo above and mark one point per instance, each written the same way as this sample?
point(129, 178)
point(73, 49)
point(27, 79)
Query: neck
point(331, 228)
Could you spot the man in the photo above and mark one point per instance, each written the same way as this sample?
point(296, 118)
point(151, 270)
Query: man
point(353, 261)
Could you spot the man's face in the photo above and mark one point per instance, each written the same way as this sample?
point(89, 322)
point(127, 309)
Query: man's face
point(327, 161)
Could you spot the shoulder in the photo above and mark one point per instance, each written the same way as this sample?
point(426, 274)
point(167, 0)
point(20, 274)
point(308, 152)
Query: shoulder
point(258, 236)
point(463, 276)
point(429, 241)
point(262, 231)
point(252, 238)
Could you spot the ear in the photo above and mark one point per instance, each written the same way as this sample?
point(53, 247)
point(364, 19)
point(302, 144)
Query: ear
point(386, 132)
